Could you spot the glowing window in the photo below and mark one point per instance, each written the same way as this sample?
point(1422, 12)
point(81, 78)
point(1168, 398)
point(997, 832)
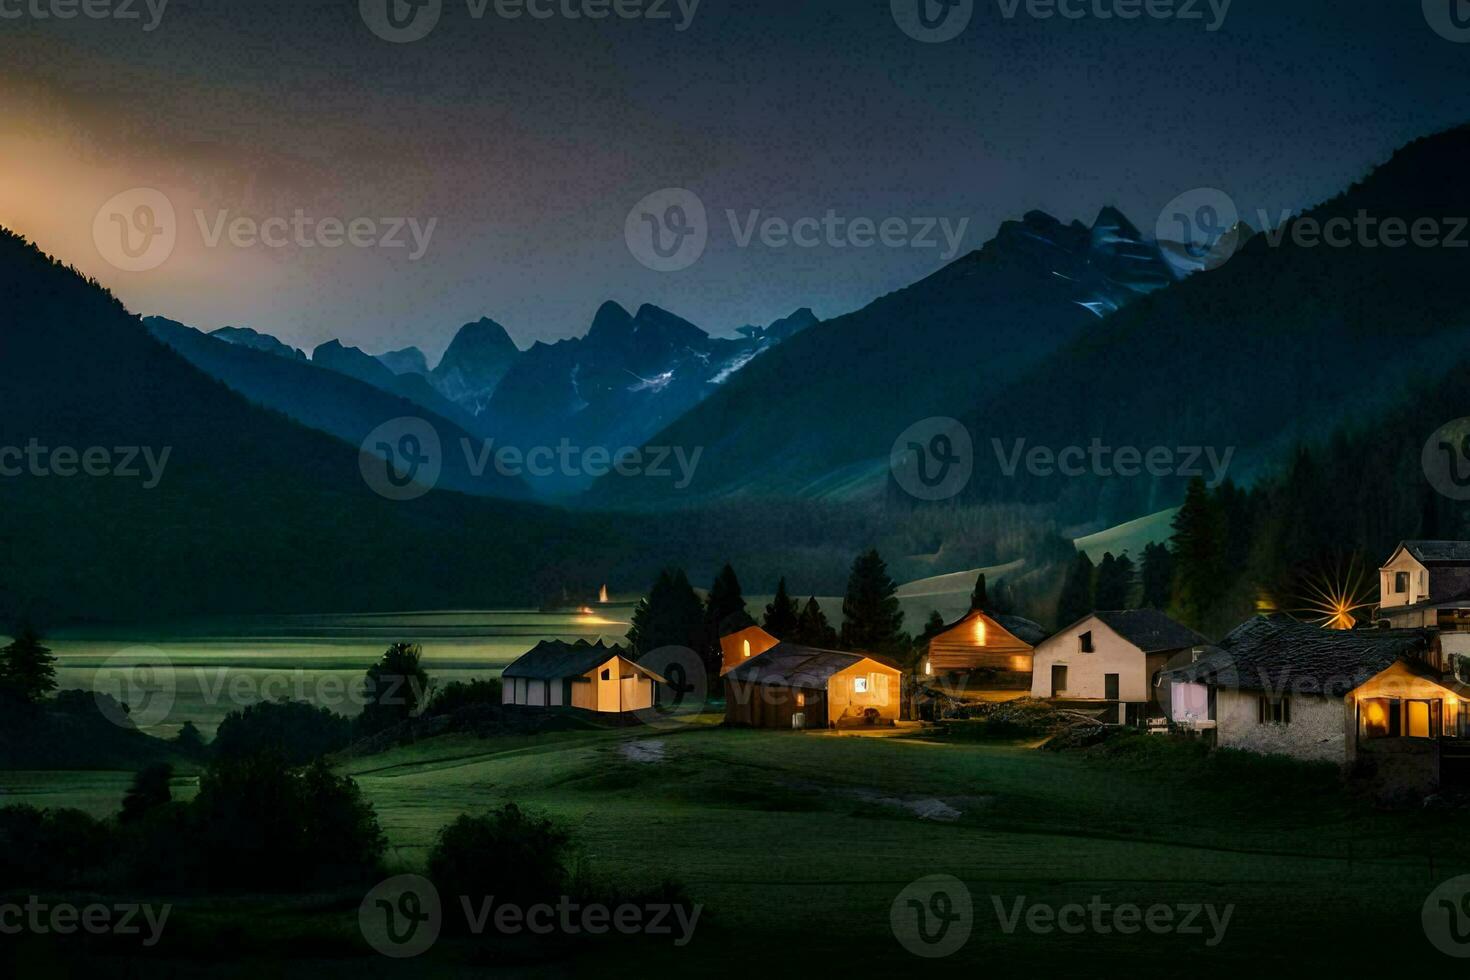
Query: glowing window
point(979, 631)
point(860, 685)
point(746, 645)
point(928, 669)
point(800, 699)
point(1417, 719)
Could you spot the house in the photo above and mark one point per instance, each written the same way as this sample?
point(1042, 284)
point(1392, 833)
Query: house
point(1426, 585)
point(1275, 685)
point(582, 675)
point(1111, 659)
point(994, 650)
point(792, 686)
point(746, 641)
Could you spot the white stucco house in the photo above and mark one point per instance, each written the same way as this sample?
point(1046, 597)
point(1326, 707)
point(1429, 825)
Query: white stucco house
point(1426, 585)
point(1278, 686)
point(1110, 658)
point(581, 675)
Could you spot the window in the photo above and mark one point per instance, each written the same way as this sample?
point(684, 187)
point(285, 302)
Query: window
point(746, 647)
point(928, 669)
point(1110, 687)
point(607, 675)
point(800, 699)
point(1397, 718)
point(1084, 642)
point(1401, 582)
point(1273, 712)
point(860, 685)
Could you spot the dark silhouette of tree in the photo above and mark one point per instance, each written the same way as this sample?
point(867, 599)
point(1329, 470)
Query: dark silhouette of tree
point(979, 599)
point(516, 856)
point(933, 626)
point(1198, 547)
point(1157, 576)
point(1002, 599)
point(781, 613)
point(871, 618)
point(725, 600)
point(812, 627)
point(671, 615)
point(397, 686)
point(27, 667)
point(1114, 582)
point(150, 789)
point(294, 730)
point(1076, 599)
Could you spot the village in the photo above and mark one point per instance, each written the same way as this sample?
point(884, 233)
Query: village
point(1384, 698)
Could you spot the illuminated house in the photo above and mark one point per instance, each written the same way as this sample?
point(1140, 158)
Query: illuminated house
point(1426, 584)
point(1381, 701)
point(792, 686)
point(740, 645)
point(591, 677)
point(1111, 659)
point(994, 650)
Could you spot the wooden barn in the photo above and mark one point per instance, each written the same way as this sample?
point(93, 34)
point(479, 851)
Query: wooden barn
point(592, 677)
point(792, 686)
point(997, 650)
point(740, 645)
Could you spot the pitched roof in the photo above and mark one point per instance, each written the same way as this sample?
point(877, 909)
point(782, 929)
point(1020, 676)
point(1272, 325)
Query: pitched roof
point(1279, 654)
point(793, 665)
point(1020, 627)
point(1150, 630)
point(553, 659)
point(1438, 551)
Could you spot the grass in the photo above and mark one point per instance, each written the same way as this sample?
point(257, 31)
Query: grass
point(803, 841)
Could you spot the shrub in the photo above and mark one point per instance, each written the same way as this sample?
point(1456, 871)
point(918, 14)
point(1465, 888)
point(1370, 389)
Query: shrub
point(150, 789)
point(52, 847)
point(464, 694)
point(518, 857)
point(294, 731)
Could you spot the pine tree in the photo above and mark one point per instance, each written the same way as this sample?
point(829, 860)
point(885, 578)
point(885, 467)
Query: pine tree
point(725, 600)
point(1157, 576)
point(150, 789)
point(1199, 555)
point(812, 628)
point(871, 618)
point(671, 615)
point(933, 626)
point(1076, 599)
point(1114, 582)
point(1002, 599)
point(781, 614)
point(397, 686)
point(27, 667)
point(978, 597)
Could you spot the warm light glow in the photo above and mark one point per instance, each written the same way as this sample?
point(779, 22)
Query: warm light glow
point(979, 631)
point(602, 595)
point(1330, 599)
point(746, 645)
point(928, 669)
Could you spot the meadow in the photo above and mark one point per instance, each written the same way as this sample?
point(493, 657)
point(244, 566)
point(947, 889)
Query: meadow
point(797, 844)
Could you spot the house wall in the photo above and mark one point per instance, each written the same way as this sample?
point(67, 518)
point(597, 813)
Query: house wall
point(1086, 671)
point(846, 706)
point(734, 647)
point(1402, 561)
point(978, 642)
point(773, 706)
point(1315, 731)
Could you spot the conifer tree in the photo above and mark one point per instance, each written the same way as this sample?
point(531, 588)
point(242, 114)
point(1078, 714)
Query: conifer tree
point(781, 614)
point(27, 667)
point(871, 617)
point(1076, 599)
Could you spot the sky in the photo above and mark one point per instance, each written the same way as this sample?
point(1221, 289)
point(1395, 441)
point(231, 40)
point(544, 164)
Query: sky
point(501, 166)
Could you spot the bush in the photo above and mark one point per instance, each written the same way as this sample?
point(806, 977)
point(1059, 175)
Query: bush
point(150, 790)
point(464, 694)
point(293, 731)
point(513, 855)
point(59, 848)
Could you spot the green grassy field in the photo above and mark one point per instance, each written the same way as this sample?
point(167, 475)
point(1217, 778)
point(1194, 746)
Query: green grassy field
point(802, 842)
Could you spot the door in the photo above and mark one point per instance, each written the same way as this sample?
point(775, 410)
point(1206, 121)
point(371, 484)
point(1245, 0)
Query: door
point(1058, 680)
point(1110, 686)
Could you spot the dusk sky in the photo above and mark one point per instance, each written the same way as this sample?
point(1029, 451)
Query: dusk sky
point(528, 141)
